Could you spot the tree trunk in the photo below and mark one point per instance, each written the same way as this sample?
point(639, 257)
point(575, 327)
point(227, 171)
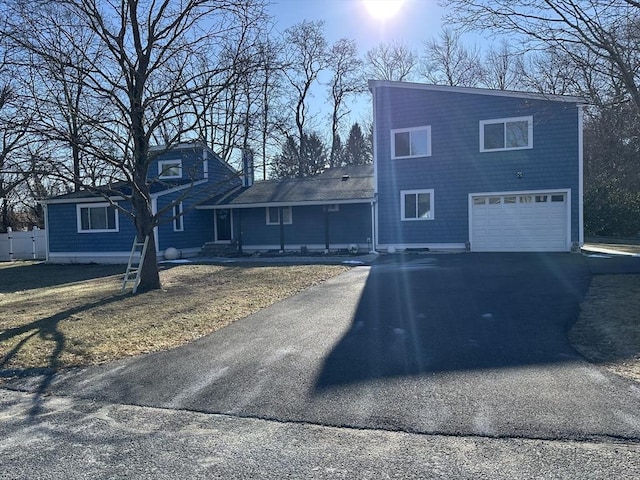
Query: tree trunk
point(141, 200)
point(149, 276)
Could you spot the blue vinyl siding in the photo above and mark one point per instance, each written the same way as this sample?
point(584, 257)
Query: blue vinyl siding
point(64, 236)
point(191, 158)
point(456, 166)
point(351, 224)
point(198, 224)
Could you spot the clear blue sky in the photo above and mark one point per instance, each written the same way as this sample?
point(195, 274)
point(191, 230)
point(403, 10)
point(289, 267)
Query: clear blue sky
point(416, 20)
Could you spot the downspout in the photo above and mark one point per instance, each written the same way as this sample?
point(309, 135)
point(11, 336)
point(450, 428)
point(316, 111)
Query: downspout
point(580, 176)
point(373, 226)
point(374, 205)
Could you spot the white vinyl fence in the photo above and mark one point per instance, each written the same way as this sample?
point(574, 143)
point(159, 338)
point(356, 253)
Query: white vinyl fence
point(23, 245)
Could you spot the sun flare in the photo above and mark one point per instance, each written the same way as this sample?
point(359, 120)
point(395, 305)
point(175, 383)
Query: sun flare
point(383, 9)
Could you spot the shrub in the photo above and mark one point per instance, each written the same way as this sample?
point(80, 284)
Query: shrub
point(611, 212)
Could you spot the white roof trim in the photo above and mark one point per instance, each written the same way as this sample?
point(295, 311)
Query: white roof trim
point(477, 91)
point(178, 188)
point(178, 146)
point(120, 198)
point(83, 200)
point(285, 204)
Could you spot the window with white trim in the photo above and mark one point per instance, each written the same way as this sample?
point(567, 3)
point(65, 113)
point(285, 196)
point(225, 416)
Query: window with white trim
point(97, 217)
point(178, 218)
point(416, 205)
point(273, 215)
point(506, 134)
point(334, 207)
point(411, 142)
point(169, 169)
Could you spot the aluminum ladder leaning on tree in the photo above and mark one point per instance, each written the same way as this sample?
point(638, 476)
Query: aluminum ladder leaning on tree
point(134, 267)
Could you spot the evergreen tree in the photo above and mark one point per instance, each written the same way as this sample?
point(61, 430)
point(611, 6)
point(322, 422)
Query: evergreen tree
point(314, 159)
point(286, 164)
point(338, 152)
point(290, 164)
point(357, 149)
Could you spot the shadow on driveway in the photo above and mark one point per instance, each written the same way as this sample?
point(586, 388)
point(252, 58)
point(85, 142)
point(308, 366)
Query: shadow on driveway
point(439, 313)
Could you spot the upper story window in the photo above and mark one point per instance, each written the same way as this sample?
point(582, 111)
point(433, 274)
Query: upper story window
point(411, 142)
point(168, 169)
point(97, 217)
point(273, 215)
point(416, 204)
point(506, 134)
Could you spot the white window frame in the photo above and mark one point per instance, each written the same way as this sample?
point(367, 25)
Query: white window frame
point(178, 217)
point(426, 128)
point(163, 165)
point(504, 121)
point(286, 221)
point(404, 193)
point(333, 207)
point(105, 205)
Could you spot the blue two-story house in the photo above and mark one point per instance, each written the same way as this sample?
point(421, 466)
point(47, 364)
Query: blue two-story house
point(454, 169)
point(476, 169)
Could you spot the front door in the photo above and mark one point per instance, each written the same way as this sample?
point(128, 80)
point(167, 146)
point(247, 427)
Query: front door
point(223, 225)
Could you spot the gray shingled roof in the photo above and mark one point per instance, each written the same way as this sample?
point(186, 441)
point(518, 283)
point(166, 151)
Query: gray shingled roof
point(335, 185)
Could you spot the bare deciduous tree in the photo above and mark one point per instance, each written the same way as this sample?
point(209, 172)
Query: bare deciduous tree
point(393, 61)
point(346, 82)
point(447, 61)
point(502, 68)
point(306, 57)
point(606, 30)
point(145, 77)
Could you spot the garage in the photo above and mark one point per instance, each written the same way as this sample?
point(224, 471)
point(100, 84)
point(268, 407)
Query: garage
point(519, 222)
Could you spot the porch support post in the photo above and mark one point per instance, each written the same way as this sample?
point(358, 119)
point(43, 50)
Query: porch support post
point(239, 210)
point(326, 228)
point(281, 215)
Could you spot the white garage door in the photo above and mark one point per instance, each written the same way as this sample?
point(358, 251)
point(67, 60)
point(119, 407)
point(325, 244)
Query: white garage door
point(535, 222)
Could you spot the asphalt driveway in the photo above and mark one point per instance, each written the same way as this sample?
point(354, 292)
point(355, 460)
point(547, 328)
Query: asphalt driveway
point(471, 344)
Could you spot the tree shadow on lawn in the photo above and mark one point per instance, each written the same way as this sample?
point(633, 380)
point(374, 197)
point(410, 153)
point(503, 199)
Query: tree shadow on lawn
point(29, 276)
point(466, 312)
point(46, 329)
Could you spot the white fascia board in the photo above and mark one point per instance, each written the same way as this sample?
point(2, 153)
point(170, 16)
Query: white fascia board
point(178, 188)
point(477, 91)
point(285, 204)
point(83, 200)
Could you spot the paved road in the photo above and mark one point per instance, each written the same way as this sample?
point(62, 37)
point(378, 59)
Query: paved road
point(79, 439)
point(466, 345)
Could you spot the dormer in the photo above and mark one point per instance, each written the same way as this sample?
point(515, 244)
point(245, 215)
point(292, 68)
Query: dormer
point(183, 162)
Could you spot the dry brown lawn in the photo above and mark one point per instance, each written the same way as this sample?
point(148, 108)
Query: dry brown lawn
point(68, 315)
point(608, 330)
point(54, 316)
